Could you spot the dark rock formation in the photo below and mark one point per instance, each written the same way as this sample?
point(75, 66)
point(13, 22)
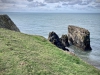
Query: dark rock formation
point(54, 39)
point(79, 37)
point(6, 22)
point(64, 40)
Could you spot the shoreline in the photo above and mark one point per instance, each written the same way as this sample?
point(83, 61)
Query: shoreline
point(89, 62)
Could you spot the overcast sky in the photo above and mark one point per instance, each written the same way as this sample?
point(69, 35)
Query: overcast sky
point(69, 6)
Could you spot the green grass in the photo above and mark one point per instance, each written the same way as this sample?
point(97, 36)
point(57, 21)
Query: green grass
point(23, 54)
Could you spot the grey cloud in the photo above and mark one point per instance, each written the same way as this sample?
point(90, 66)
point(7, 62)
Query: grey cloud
point(69, 1)
point(1, 5)
point(73, 2)
point(93, 7)
point(36, 4)
point(30, 0)
point(55, 1)
point(86, 2)
point(79, 2)
point(65, 4)
point(58, 6)
point(97, 1)
point(97, 6)
point(8, 1)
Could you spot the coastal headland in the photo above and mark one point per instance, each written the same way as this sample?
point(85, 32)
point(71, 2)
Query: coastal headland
point(23, 54)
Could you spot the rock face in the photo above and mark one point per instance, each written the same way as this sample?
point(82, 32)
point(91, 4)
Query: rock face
point(54, 39)
point(64, 40)
point(79, 37)
point(6, 22)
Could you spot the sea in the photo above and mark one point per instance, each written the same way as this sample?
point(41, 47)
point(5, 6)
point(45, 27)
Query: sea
point(43, 23)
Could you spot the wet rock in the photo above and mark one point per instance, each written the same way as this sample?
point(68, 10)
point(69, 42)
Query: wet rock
point(54, 39)
point(6, 22)
point(79, 37)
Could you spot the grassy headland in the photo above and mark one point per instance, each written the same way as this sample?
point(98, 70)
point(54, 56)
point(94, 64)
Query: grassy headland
point(23, 54)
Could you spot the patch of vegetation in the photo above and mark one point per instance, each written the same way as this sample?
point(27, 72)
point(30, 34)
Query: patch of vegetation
point(23, 54)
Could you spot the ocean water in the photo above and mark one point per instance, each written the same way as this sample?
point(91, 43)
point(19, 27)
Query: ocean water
point(43, 23)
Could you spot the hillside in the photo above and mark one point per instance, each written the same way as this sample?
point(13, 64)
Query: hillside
point(23, 54)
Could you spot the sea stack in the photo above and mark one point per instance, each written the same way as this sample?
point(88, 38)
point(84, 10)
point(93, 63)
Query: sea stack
point(6, 22)
point(54, 39)
point(79, 37)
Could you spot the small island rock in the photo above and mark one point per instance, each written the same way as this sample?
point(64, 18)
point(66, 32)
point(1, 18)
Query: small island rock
point(79, 37)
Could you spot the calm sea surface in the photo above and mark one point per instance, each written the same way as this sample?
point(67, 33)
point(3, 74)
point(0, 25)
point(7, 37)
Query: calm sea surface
point(43, 23)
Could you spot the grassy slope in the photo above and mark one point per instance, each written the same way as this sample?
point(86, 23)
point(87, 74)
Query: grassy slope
point(22, 54)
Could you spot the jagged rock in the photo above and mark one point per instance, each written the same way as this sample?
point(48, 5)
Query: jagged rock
point(79, 37)
point(54, 39)
point(6, 22)
point(64, 40)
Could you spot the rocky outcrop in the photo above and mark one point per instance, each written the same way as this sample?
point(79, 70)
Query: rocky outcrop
point(54, 39)
point(6, 22)
point(79, 37)
point(64, 40)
